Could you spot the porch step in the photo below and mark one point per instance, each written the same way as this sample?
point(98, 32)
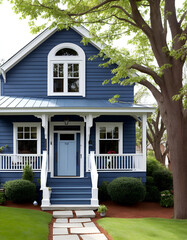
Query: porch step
point(71, 201)
point(71, 195)
point(71, 189)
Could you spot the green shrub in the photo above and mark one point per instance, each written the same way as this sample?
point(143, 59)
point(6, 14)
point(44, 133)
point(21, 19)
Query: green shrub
point(126, 190)
point(103, 193)
point(166, 199)
point(2, 198)
point(20, 191)
point(152, 192)
point(28, 173)
point(163, 179)
point(152, 166)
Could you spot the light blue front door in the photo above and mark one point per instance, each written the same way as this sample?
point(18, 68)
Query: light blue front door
point(66, 154)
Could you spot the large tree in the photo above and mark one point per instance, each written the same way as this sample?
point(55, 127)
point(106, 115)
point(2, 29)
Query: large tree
point(158, 59)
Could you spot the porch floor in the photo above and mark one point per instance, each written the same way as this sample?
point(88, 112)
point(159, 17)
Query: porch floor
point(69, 207)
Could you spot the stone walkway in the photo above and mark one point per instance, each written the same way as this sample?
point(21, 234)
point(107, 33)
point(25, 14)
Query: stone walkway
point(75, 225)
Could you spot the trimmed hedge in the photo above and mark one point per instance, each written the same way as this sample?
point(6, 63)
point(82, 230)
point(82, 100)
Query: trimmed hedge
point(2, 198)
point(103, 193)
point(126, 190)
point(20, 191)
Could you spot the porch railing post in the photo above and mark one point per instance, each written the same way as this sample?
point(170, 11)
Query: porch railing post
point(144, 145)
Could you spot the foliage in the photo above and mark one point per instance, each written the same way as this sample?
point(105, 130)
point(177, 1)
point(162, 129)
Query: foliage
point(166, 199)
point(144, 228)
point(102, 209)
point(19, 223)
point(2, 198)
point(152, 165)
point(163, 179)
point(2, 148)
point(20, 191)
point(126, 190)
point(28, 173)
point(152, 192)
point(103, 193)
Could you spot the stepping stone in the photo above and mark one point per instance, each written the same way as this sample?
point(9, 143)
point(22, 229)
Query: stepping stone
point(61, 220)
point(93, 237)
point(66, 237)
point(83, 214)
point(62, 214)
point(60, 231)
point(79, 220)
point(84, 230)
point(67, 225)
point(89, 224)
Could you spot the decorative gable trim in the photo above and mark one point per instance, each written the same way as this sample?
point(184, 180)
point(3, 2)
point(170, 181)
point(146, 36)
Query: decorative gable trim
point(39, 40)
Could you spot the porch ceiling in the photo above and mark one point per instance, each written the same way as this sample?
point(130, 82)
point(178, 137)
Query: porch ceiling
point(53, 105)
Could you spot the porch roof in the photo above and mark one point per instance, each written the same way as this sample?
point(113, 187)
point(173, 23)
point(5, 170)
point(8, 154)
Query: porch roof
point(53, 105)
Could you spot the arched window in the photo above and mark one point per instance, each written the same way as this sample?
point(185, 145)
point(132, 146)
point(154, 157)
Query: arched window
point(66, 70)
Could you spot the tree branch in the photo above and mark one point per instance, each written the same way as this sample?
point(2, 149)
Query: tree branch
point(126, 20)
point(182, 17)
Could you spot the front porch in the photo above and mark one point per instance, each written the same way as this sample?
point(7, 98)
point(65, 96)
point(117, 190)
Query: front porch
point(101, 142)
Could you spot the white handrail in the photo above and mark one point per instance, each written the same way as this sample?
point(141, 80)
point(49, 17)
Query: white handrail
point(43, 179)
point(44, 170)
point(94, 178)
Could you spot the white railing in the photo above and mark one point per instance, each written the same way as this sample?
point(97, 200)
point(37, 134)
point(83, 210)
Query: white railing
point(119, 162)
point(12, 162)
point(94, 178)
point(43, 180)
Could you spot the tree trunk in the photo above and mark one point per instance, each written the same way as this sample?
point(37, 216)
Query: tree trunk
point(176, 125)
point(158, 154)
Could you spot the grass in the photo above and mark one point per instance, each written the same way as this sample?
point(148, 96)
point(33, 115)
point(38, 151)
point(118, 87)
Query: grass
point(23, 224)
point(145, 228)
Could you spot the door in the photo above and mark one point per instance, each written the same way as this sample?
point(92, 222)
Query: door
point(67, 154)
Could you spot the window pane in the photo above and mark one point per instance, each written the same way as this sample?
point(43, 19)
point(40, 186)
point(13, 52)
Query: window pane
point(33, 129)
point(20, 129)
point(33, 136)
point(67, 136)
point(61, 70)
point(108, 146)
point(58, 85)
point(66, 52)
point(109, 134)
point(73, 85)
point(27, 129)
point(70, 70)
point(73, 70)
point(27, 146)
point(27, 136)
point(103, 133)
point(55, 70)
point(20, 135)
point(115, 132)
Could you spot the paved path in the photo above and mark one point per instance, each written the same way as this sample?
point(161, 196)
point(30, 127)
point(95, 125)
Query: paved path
point(75, 226)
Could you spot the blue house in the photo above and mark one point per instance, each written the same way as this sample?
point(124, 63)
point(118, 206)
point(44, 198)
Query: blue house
point(55, 116)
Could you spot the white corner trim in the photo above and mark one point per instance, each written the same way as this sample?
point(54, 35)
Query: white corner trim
point(40, 39)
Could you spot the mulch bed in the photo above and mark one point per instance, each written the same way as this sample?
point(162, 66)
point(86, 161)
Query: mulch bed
point(140, 210)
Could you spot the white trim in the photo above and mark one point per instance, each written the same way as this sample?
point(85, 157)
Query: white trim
point(26, 124)
point(111, 124)
point(51, 147)
point(40, 39)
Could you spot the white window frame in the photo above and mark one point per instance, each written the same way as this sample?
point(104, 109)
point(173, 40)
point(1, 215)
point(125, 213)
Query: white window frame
point(25, 124)
point(109, 124)
point(80, 59)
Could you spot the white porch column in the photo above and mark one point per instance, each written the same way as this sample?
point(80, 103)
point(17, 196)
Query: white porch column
point(89, 123)
point(144, 138)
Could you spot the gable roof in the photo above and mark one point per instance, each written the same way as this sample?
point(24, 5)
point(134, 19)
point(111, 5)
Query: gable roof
point(22, 53)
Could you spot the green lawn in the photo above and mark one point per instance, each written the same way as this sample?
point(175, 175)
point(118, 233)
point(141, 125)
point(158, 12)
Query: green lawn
point(23, 224)
point(145, 228)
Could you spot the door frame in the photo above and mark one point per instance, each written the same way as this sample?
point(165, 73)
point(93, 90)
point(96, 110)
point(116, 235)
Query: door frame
point(51, 146)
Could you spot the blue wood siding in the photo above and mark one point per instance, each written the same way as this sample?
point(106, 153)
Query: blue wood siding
point(29, 77)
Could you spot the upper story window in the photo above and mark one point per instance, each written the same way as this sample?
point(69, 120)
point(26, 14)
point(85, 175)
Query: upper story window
point(66, 70)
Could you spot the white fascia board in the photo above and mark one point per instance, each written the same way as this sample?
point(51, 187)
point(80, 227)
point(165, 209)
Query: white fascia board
point(76, 110)
point(37, 41)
